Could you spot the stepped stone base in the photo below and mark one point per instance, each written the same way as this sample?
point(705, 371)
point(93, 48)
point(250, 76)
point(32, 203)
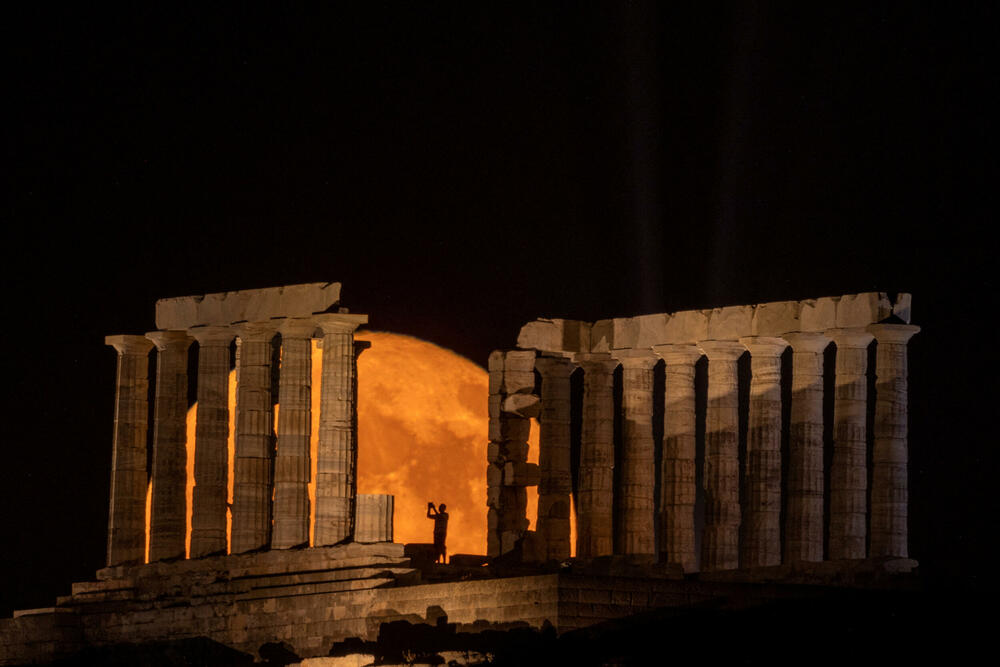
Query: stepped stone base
point(309, 600)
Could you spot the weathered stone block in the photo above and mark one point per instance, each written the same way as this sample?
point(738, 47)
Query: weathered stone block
point(222, 308)
point(775, 318)
point(374, 518)
point(517, 473)
point(730, 322)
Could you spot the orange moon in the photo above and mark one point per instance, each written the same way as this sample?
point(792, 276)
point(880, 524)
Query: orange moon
point(422, 435)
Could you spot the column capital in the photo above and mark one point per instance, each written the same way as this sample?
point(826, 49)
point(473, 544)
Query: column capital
point(893, 333)
point(170, 340)
point(764, 345)
point(722, 350)
point(554, 366)
point(129, 344)
point(339, 322)
point(261, 332)
point(807, 341)
point(595, 361)
point(212, 335)
point(633, 358)
point(297, 327)
point(850, 337)
point(674, 354)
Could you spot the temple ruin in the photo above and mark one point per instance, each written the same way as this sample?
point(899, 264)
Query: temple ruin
point(632, 482)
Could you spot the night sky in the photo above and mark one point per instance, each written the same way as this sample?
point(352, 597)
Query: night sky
point(462, 170)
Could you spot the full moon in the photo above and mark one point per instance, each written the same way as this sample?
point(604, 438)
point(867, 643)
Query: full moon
point(422, 435)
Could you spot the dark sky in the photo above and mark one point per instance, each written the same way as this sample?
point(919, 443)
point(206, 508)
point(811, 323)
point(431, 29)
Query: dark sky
point(462, 170)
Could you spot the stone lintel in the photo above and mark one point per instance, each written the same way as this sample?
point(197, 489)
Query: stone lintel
point(774, 318)
point(222, 308)
point(129, 344)
point(555, 336)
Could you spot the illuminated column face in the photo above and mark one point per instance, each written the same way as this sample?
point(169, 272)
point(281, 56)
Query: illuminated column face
point(292, 465)
point(762, 544)
point(336, 458)
point(804, 519)
point(168, 507)
point(597, 457)
point(720, 545)
point(889, 458)
point(555, 485)
point(636, 507)
point(126, 518)
point(211, 469)
point(849, 470)
point(254, 439)
point(677, 496)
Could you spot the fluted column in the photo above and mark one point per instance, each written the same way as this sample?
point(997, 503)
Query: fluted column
point(555, 483)
point(254, 439)
point(126, 517)
point(594, 527)
point(211, 464)
point(762, 544)
point(292, 465)
point(678, 492)
point(849, 470)
point(804, 518)
point(720, 542)
point(889, 458)
point(636, 508)
point(168, 507)
point(336, 459)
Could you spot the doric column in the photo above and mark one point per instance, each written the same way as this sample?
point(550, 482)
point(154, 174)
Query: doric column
point(762, 544)
point(211, 455)
point(804, 518)
point(889, 458)
point(254, 439)
point(126, 518)
point(555, 483)
point(849, 470)
point(595, 486)
point(292, 465)
point(677, 495)
point(636, 508)
point(336, 458)
point(168, 508)
point(721, 539)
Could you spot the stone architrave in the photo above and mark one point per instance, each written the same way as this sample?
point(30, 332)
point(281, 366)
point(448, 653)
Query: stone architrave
point(804, 519)
point(126, 518)
point(849, 469)
point(720, 543)
point(336, 458)
point(168, 506)
point(762, 543)
point(211, 453)
point(597, 457)
point(555, 485)
point(678, 492)
point(251, 528)
point(889, 458)
point(637, 505)
point(292, 463)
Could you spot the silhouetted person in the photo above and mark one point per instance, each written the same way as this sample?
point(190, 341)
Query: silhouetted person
point(440, 530)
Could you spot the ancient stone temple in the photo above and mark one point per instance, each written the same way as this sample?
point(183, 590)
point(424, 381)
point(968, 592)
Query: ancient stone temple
point(746, 493)
point(745, 453)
